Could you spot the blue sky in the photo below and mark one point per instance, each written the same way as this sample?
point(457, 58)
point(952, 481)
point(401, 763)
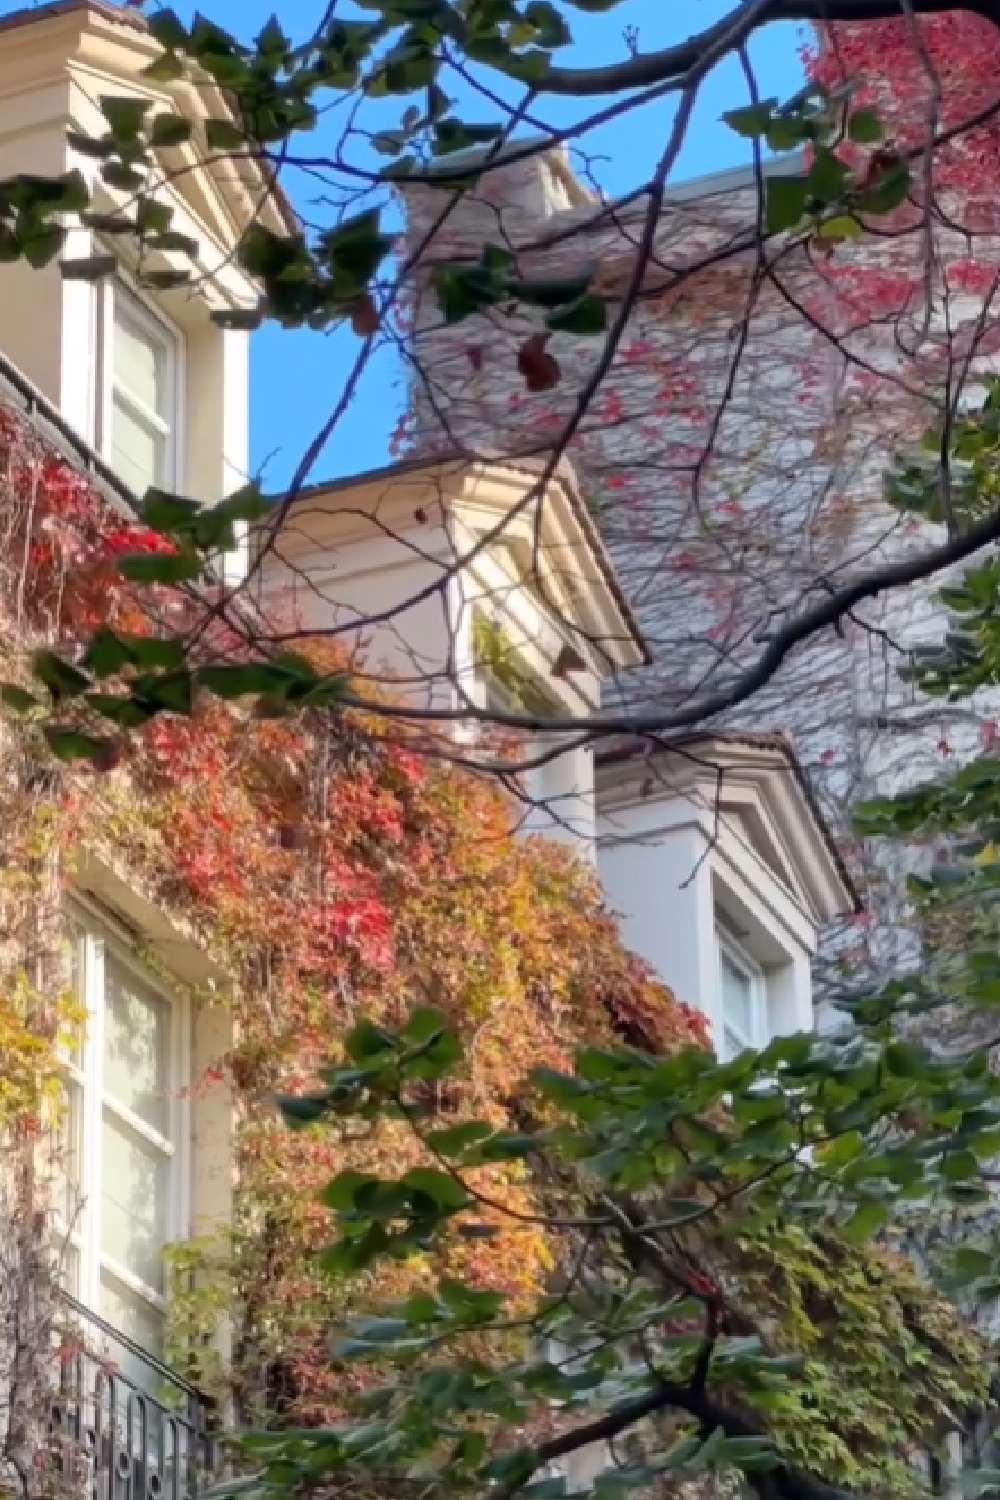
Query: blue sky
point(298, 376)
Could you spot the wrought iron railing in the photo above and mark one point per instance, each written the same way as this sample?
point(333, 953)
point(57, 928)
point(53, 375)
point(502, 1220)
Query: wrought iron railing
point(123, 1426)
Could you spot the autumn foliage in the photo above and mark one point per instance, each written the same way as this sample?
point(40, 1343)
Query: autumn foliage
point(330, 876)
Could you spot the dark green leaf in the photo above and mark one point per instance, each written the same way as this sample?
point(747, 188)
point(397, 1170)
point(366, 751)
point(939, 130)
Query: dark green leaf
point(299, 1110)
point(88, 268)
point(73, 744)
point(446, 1192)
point(160, 567)
point(864, 127)
point(588, 315)
point(785, 199)
point(170, 130)
point(166, 26)
point(753, 120)
point(125, 114)
point(17, 699)
point(868, 1218)
point(224, 135)
point(61, 678)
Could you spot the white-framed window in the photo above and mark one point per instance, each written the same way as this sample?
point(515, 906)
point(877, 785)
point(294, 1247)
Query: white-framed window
point(124, 1131)
point(742, 994)
point(139, 390)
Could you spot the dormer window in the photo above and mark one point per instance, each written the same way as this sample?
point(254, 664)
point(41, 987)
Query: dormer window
point(139, 413)
point(742, 1001)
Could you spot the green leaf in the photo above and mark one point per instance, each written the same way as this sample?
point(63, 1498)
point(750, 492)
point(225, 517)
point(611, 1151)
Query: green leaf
point(454, 1140)
point(166, 27)
point(152, 651)
point(172, 691)
point(61, 678)
point(17, 699)
point(171, 514)
point(889, 192)
point(827, 178)
point(340, 1194)
point(160, 567)
point(126, 712)
point(246, 680)
point(785, 202)
point(840, 227)
point(300, 1110)
point(867, 1219)
point(586, 316)
point(366, 1041)
point(72, 744)
point(88, 267)
point(174, 240)
point(224, 135)
point(118, 175)
point(106, 654)
point(864, 127)
point(125, 114)
point(446, 1192)
point(42, 244)
point(164, 69)
point(170, 130)
point(753, 120)
point(90, 146)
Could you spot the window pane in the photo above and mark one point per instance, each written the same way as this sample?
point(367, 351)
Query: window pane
point(737, 1000)
point(133, 1316)
point(66, 1194)
point(141, 362)
point(136, 1047)
point(135, 1202)
point(138, 452)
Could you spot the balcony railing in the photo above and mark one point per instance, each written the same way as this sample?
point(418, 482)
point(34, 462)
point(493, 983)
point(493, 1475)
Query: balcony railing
point(123, 1426)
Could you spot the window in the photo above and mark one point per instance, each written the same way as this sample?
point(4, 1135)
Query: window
point(742, 1007)
point(139, 406)
point(123, 1127)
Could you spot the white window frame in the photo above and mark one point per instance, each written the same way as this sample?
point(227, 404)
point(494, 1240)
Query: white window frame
point(115, 295)
point(95, 941)
point(729, 950)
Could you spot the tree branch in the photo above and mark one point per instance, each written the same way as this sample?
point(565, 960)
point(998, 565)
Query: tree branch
point(785, 1482)
point(669, 65)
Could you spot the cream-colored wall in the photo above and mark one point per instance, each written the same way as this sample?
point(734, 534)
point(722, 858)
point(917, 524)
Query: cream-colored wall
point(395, 599)
point(48, 325)
point(386, 600)
point(667, 870)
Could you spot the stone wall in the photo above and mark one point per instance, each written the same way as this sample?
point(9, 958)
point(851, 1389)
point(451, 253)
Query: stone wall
point(734, 454)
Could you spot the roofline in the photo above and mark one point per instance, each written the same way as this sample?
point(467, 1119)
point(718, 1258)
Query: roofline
point(129, 17)
point(563, 474)
point(623, 751)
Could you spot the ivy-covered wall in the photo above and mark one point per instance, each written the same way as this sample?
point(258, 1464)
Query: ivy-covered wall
point(331, 876)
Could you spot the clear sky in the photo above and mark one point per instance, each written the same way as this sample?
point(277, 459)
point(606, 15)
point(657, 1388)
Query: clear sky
point(297, 376)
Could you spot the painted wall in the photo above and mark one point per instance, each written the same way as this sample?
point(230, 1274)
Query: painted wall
point(49, 326)
point(671, 874)
point(792, 488)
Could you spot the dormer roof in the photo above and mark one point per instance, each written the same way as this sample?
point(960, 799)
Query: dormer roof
point(549, 535)
point(105, 47)
point(750, 787)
